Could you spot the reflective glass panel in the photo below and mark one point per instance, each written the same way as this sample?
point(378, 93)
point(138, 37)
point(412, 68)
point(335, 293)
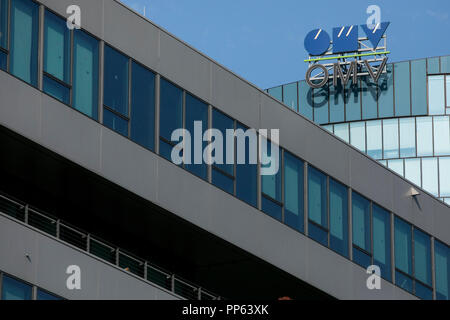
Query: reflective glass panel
point(341, 130)
point(433, 65)
point(171, 109)
point(386, 99)
point(413, 171)
point(361, 222)
point(290, 95)
point(390, 138)
point(352, 102)
point(442, 269)
point(402, 89)
point(293, 192)
point(305, 100)
point(441, 136)
point(271, 183)
point(317, 197)
point(116, 81)
point(374, 140)
point(444, 176)
point(13, 289)
point(381, 228)
point(43, 295)
point(407, 137)
point(337, 104)
point(114, 122)
point(56, 90)
point(419, 87)
point(246, 174)
point(424, 136)
point(430, 175)
point(436, 98)
point(321, 105)
point(4, 24)
point(277, 93)
point(403, 248)
point(271, 208)
point(358, 135)
point(396, 166)
point(338, 217)
point(422, 257)
point(369, 98)
point(222, 122)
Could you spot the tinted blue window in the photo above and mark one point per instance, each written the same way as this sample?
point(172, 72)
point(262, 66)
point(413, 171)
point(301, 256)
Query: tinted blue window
point(402, 89)
point(222, 122)
point(56, 47)
point(4, 24)
point(442, 269)
point(361, 258)
point(13, 289)
point(293, 192)
point(143, 106)
point(352, 102)
point(165, 150)
point(403, 281)
point(386, 94)
point(433, 65)
point(85, 74)
point(318, 234)
point(43, 295)
point(115, 122)
point(423, 292)
point(419, 87)
point(403, 250)
point(369, 98)
point(197, 111)
point(317, 197)
point(56, 89)
point(277, 93)
point(116, 81)
point(223, 181)
point(24, 40)
point(337, 107)
point(445, 64)
point(271, 183)
point(271, 208)
point(171, 110)
point(374, 139)
point(246, 174)
point(338, 217)
point(381, 228)
point(290, 95)
point(305, 100)
point(422, 257)
point(321, 105)
point(3, 61)
point(361, 222)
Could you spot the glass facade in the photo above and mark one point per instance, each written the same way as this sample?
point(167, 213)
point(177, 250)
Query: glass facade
point(14, 289)
point(411, 138)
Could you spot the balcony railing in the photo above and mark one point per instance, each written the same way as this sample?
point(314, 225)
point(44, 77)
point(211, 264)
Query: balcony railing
point(103, 250)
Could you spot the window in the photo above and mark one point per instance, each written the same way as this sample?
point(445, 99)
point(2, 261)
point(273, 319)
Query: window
point(352, 102)
point(290, 95)
point(317, 206)
point(337, 103)
point(424, 136)
point(13, 289)
point(441, 136)
point(57, 51)
point(386, 93)
point(24, 40)
point(444, 176)
point(433, 65)
point(358, 135)
point(321, 105)
point(271, 200)
point(222, 173)
point(422, 265)
point(374, 139)
point(277, 93)
point(197, 111)
point(171, 116)
point(85, 73)
point(413, 171)
point(293, 192)
point(381, 230)
point(3, 34)
point(407, 137)
point(430, 175)
point(338, 217)
point(142, 106)
point(361, 217)
point(247, 173)
point(369, 98)
point(419, 87)
point(402, 89)
point(341, 130)
point(436, 97)
point(390, 138)
point(305, 100)
point(447, 85)
point(44, 295)
point(442, 270)
point(396, 166)
point(403, 255)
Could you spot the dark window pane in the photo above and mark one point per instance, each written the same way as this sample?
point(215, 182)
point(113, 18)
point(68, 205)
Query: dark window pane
point(403, 253)
point(338, 217)
point(402, 89)
point(222, 181)
point(197, 111)
point(381, 227)
point(115, 122)
point(352, 102)
point(318, 234)
point(403, 281)
point(361, 222)
point(143, 106)
point(317, 197)
point(361, 258)
point(43, 295)
point(4, 24)
point(293, 192)
point(56, 47)
point(13, 289)
point(423, 292)
point(321, 105)
point(337, 108)
point(442, 268)
point(165, 150)
point(171, 106)
point(85, 74)
point(246, 174)
point(24, 40)
point(369, 98)
point(271, 184)
point(422, 257)
point(222, 122)
point(116, 81)
point(419, 87)
point(56, 89)
point(386, 94)
point(305, 100)
point(3, 60)
point(271, 208)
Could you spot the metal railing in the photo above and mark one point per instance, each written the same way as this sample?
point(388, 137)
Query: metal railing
point(103, 250)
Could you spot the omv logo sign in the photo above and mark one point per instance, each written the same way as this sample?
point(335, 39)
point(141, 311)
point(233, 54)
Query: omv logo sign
point(345, 39)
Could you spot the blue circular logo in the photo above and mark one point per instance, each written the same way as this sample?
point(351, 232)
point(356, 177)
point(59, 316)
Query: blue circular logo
point(317, 42)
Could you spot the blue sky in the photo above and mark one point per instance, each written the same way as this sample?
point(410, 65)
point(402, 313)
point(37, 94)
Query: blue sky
point(262, 40)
